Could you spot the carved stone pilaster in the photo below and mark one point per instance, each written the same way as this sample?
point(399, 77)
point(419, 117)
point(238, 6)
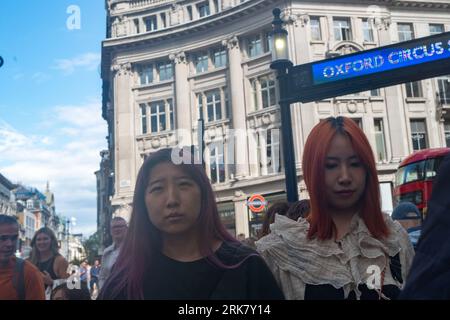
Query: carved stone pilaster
point(231, 43)
point(178, 57)
point(121, 68)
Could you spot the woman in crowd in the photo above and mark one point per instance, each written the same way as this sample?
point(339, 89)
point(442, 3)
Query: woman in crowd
point(299, 209)
point(346, 248)
point(177, 247)
point(45, 255)
point(281, 208)
point(62, 292)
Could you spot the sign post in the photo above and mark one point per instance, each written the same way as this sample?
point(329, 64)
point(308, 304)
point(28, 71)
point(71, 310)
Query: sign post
point(398, 63)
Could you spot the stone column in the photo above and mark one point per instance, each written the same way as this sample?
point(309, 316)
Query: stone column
point(182, 107)
point(396, 116)
point(124, 152)
point(238, 106)
point(241, 213)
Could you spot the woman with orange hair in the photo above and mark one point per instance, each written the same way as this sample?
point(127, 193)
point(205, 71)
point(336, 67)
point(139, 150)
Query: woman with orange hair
point(345, 248)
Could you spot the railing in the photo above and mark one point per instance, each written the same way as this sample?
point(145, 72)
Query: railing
point(143, 3)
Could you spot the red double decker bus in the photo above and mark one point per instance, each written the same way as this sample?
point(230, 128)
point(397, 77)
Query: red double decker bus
point(414, 177)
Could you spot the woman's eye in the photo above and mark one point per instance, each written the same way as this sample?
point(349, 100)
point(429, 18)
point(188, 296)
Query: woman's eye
point(330, 165)
point(356, 164)
point(155, 189)
point(185, 183)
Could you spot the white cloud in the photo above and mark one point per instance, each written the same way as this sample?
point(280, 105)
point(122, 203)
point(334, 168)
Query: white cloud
point(88, 61)
point(40, 77)
point(68, 162)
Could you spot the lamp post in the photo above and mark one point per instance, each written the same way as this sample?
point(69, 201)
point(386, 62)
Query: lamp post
point(281, 63)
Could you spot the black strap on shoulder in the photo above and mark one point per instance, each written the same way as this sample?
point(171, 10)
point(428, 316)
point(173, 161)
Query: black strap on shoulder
point(19, 278)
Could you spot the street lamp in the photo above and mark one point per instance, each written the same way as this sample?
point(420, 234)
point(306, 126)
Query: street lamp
point(280, 52)
point(281, 63)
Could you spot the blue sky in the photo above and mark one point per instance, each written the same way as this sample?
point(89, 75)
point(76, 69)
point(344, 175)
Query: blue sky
point(50, 101)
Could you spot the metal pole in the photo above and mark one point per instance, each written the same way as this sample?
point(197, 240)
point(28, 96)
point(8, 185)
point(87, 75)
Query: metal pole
point(290, 170)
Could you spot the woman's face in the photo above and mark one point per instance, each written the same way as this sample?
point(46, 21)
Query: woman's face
point(43, 242)
point(345, 176)
point(172, 199)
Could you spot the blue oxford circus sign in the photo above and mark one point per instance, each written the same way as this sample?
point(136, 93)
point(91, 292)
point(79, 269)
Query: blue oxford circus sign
point(371, 69)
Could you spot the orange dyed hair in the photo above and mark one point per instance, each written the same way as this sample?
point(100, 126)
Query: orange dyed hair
point(314, 154)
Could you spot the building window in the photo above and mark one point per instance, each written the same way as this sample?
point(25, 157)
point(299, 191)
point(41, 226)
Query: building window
point(444, 90)
point(268, 92)
point(419, 134)
point(220, 58)
point(200, 105)
point(367, 30)
point(268, 42)
point(216, 6)
point(342, 29)
point(447, 132)
point(143, 107)
point(255, 46)
point(227, 216)
point(413, 89)
point(201, 62)
point(213, 105)
point(405, 31)
point(263, 92)
point(150, 23)
point(436, 29)
point(316, 33)
point(137, 26)
point(165, 71)
point(269, 151)
point(375, 93)
point(203, 9)
point(163, 19)
point(146, 74)
point(217, 163)
point(379, 140)
point(171, 114)
point(216, 103)
point(158, 116)
point(189, 11)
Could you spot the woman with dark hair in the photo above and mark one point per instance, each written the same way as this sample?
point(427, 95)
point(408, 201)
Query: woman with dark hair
point(45, 255)
point(299, 209)
point(177, 247)
point(281, 208)
point(346, 248)
point(62, 292)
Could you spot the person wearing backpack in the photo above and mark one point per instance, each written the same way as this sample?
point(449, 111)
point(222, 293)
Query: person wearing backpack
point(19, 279)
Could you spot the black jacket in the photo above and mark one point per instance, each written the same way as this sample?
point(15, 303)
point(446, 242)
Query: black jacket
point(429, 277)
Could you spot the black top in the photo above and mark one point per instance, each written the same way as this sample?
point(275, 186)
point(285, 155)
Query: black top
point(169, 279)
point(48, 266)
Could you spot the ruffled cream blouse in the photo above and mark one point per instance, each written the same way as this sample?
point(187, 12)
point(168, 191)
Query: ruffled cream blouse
point(296, 261)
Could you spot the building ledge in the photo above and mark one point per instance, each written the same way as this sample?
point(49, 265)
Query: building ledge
point(208, 73)
point(152, 85)
point(416, 100)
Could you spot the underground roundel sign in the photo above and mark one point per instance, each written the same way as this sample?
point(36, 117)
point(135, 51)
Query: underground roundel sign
point(256, 203)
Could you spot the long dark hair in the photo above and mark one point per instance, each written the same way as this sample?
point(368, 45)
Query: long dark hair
point(144, 239)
